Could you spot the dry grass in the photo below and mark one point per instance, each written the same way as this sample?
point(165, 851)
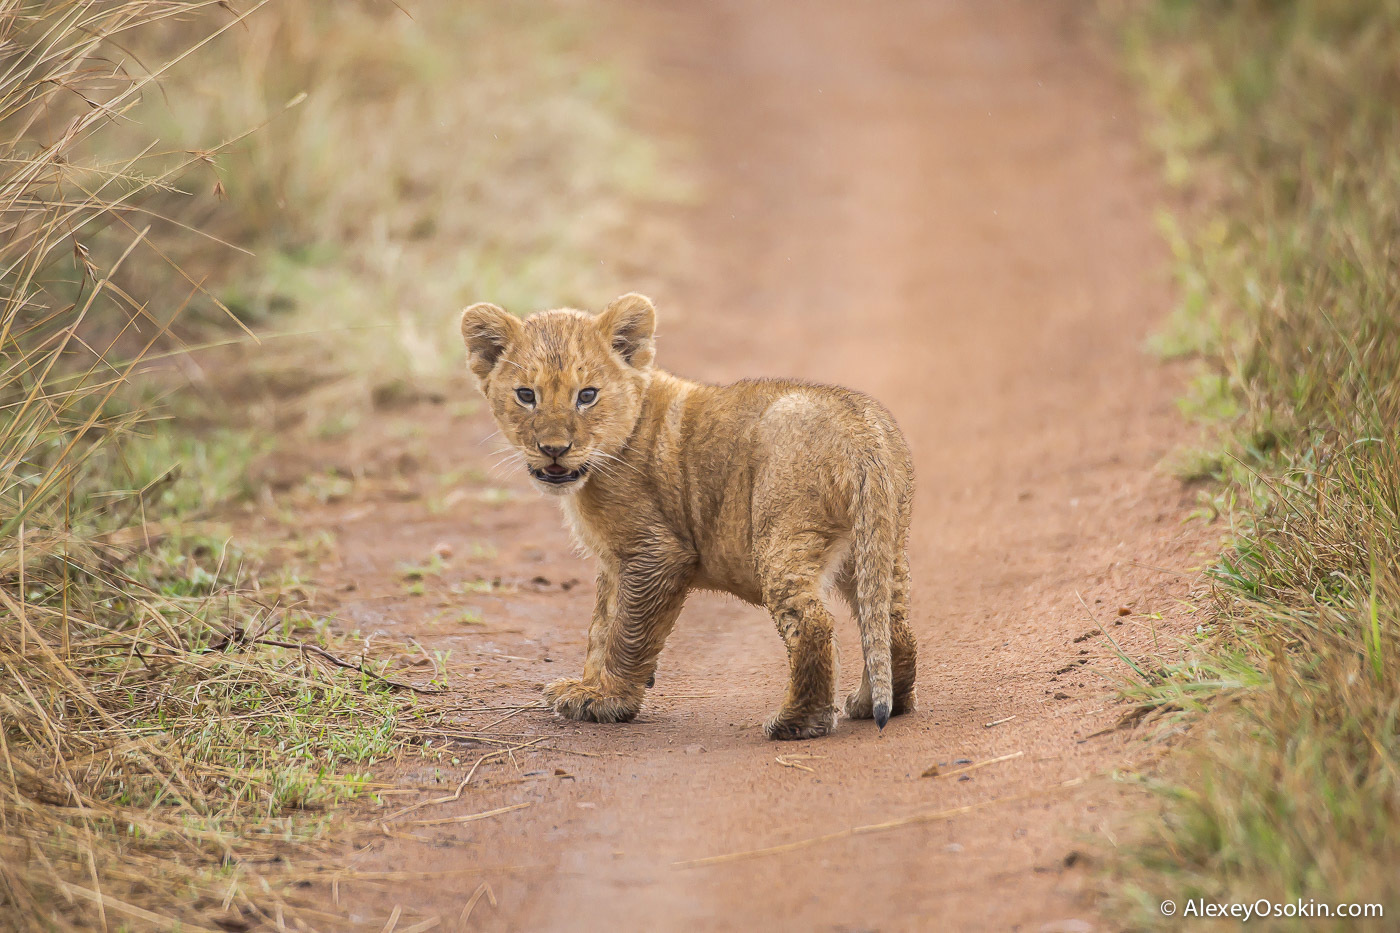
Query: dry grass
point(1279, 121)
point(338, 177)
point(164, 740)
point(152, 751)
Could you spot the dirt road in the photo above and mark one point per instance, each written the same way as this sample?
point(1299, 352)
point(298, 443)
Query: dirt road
point(943, 204)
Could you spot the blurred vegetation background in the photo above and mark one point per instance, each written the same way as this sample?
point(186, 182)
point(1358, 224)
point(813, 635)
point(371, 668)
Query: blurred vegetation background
point(223, 227)
point(1279, 125)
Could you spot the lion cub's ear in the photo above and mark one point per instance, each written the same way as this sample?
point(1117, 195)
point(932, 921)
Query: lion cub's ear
point(488, 332)
point(629, 324)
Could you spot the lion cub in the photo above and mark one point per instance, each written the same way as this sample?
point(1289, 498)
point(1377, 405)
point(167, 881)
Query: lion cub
point(772, 490)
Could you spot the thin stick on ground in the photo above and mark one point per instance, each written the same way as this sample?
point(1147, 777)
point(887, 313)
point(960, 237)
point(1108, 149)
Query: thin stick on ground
point(934, 772)
point(457, 795)
point(869, 828)
point(358, 668)
point(470, 817)
point(514, 712)
point(352, 874)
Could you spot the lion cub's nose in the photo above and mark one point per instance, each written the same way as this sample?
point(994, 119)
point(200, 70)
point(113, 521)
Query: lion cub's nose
point(550, 450)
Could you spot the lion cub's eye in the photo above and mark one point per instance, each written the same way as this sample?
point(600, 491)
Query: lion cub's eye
point(587, 396)
point(525, 396)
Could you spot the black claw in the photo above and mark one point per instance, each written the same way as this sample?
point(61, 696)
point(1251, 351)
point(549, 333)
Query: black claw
point(882, 714)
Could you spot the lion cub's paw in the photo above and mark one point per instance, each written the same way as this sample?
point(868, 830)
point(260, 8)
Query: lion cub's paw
point(580, 702)
point(785, 726)
point(858, 705)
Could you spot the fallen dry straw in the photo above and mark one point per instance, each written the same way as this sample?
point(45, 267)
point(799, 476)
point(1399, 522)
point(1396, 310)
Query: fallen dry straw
point(470, 817)
point(457, 794)
point(935, 771)
point(794, 761)
point(481, 889)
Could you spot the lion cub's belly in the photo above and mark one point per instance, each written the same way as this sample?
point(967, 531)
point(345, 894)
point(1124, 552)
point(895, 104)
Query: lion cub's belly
point(736, 581)
point(723, 562)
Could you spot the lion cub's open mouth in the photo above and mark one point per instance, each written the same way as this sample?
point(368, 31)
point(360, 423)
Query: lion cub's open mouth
point(559, 475)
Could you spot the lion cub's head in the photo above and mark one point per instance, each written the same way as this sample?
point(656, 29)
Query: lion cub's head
point(565, 387)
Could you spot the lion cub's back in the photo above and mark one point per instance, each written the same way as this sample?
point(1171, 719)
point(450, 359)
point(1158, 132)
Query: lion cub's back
point(824, 434)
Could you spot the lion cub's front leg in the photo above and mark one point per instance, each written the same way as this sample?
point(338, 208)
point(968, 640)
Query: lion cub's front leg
point(593, 698)
point(635, 611)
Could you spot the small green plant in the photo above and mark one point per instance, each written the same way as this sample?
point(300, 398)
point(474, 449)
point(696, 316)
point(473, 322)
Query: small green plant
point(433, 567)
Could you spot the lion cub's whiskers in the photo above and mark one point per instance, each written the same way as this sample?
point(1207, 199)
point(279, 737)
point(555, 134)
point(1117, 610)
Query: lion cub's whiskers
point(614, 459)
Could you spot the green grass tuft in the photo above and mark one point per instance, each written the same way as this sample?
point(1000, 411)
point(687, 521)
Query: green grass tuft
point(1279, 122)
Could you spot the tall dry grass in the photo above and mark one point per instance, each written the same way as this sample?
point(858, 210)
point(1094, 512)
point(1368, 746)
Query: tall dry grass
point(1280, 122)
point(336, 177)
point(154, 747)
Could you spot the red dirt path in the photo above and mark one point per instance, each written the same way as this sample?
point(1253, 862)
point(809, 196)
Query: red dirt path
point(943, 204)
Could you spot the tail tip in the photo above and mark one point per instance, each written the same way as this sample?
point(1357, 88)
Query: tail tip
point(881, 713)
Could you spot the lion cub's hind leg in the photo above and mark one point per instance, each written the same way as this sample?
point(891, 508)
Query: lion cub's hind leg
point(904, 649)
point(858, 704)
point(791, 574)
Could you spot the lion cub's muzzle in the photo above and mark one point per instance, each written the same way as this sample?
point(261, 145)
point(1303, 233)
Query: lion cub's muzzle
point(556, 474)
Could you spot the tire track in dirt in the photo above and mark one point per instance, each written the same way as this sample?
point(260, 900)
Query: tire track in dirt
point(942, 204)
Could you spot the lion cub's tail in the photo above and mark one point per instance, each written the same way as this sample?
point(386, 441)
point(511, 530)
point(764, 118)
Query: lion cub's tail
point(874, 544)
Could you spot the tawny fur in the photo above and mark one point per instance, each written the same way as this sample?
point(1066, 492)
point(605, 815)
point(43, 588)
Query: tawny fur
point(770, 490)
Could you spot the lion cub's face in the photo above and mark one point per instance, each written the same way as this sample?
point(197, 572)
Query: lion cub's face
point(565, 387)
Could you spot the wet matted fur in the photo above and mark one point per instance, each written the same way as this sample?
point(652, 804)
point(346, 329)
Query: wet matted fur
point(770, 489)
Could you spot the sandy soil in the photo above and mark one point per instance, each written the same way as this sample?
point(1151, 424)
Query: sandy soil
point(943, 204)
